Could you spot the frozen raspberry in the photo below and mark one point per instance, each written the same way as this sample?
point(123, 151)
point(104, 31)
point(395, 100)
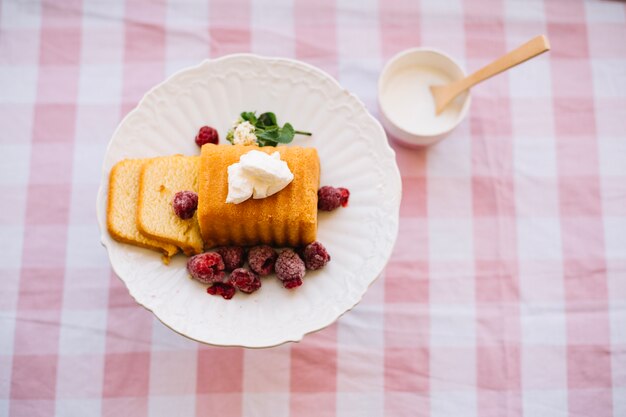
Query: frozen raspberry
point(345, 196)
point(262, 259)
point(289, 267)
point(224, 289)
point(233, 256)
point(328, 198)
point(185, 204)
point(315, 256)
point(245, 280)
point(207, 134)
point(207, 267)
point(292, 283)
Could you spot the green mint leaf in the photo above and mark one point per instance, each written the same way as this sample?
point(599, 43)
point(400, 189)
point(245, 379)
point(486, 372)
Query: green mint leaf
point(286, 134)
point(249, 116)
point(230, 136)
point(267, 119)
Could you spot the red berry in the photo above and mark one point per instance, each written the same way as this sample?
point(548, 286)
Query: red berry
point(245, 280)
point(185, 204)
point(233, 256)
point(328, 198)
point(292, 283)
point(206, 267)
point(261, 259)
point(289, 266)
point(345, 195)
point(207, 134)
point(315, 256)
point(224, 289)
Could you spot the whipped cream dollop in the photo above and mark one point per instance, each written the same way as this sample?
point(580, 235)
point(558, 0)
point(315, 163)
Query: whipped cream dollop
point(257, 175)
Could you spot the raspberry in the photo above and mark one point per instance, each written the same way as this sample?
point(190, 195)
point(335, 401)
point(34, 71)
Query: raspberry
point(345, 195)
point(329, 198)
point(289, 267)
point(185, 204)
point(245, 280)
point(262, 259)
point(206, 267)
point(315, 256)
point(207, 134)
point(292, 283)
point(233, 256)
point(224, 289)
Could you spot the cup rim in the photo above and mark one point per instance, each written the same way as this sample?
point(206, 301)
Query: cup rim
point(417, 135)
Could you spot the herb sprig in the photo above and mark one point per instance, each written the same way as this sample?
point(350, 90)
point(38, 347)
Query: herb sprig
point(267, 130)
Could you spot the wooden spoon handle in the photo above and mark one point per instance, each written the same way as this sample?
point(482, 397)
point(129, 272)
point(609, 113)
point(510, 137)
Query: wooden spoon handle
point(530, 49)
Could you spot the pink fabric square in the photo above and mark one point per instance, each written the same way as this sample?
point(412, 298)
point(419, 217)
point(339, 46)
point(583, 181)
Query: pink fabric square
point(495, 238)
point(498, 368)
point(173, 373)
point(544, 367)
point(571, 78)
point(313, 368)
point(493, 196)
point(585, 280)
point(139, 77)
point(84, 288)
point(452, 368)
point(32, 408)
point(20, 46)
point(591, 402)
point(60, 46)
point(220, 370)
point(565, 11)
point(88, 115)
point(498, 403)
point(583, 238)
point(80, 376)
point(568, 40)
point(51, 163)
point(118, 294)
point(116, 407)
point(412, 164)
point(222, 404)
point(41, 288)
point(591, 327)
point(414, 203)
point(24, 386)
point(531, 117)
point(40, 250)
point(588, 367)
point(48, 204)
point(603, 40)
point(412, 242)
point(16, 123)
point(574, 117)
point(12, 204)
point(54, 122)
point(448, 197)
point(315, 31)
point(37, 332)
point(317, 404)
point(129, 329)
point(406, 404)
point(144, 43)
point(399, 318)
point(58, 84)
point(497, 281)
point(126, 374)
point(227, 38)
point(407, 369)
point(484, 37)
point(578, 157)
point(398, 22)
point(580, 196)
point(491, 117)
point(497, 324)
point(406, 282)
point(536, 196)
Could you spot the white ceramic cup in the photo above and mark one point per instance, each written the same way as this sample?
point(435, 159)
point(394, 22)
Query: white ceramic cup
point(406, 105)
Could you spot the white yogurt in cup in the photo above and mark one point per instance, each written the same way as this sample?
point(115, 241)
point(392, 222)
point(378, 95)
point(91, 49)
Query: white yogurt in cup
point(406, 104)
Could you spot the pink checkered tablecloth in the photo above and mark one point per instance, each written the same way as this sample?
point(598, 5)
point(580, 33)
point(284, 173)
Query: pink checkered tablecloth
point(505, 294)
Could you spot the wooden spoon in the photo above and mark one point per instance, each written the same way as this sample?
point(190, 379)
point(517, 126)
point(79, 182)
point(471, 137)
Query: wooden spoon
point(444, 94)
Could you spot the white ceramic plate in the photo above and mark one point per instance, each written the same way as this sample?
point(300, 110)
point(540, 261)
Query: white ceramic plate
point(354, 153)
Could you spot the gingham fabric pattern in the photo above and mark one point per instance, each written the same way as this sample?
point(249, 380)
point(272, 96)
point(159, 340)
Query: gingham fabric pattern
point(505, 294)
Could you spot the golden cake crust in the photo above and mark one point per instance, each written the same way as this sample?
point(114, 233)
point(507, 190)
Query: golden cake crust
point(287, 218)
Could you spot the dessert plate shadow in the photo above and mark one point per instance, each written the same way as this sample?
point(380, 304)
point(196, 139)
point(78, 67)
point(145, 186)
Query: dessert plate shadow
point(354, 153)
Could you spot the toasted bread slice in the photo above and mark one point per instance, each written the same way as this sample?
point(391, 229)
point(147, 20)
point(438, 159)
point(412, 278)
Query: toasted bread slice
point(161, 178)
point(287, 218)
point(122, 207)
